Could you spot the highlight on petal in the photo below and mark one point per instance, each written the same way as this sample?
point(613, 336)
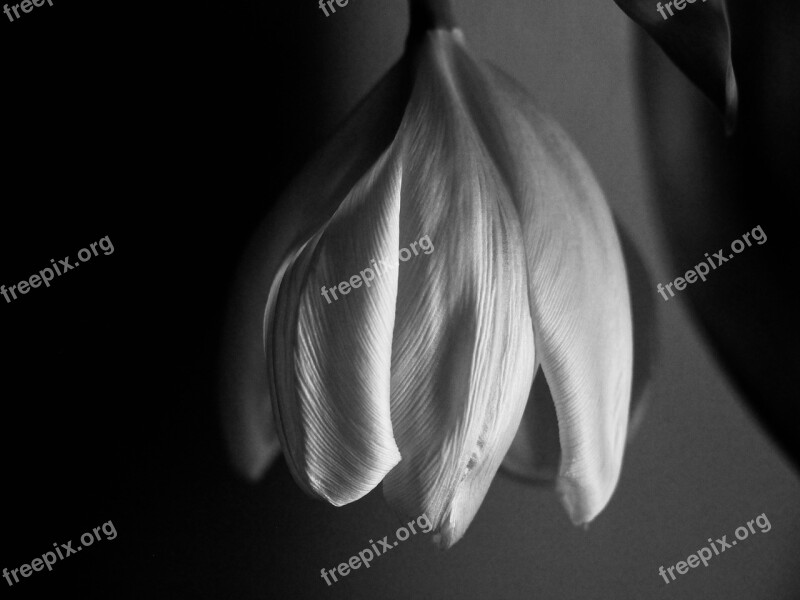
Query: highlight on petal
point(309, 201)
point(698, 40)
point(535, 454)
point(329, 357)
point(579, 302)
point(577, 284)
point(463, 354)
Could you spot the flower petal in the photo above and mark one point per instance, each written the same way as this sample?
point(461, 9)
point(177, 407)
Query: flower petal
point(463, 355)
point(329, 354)
point(535, 454)
point(577, 284)
point(307, 204)
point(579, 300)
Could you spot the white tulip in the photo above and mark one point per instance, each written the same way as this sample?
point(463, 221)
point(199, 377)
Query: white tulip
point(420, 381)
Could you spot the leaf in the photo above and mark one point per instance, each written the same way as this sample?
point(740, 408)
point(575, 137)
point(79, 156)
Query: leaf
point(698, 40)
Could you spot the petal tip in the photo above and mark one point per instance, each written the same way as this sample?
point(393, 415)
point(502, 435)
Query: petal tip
point(581, 502)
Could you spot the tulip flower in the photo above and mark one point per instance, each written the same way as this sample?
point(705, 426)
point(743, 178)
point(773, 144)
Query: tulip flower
point(420, 381)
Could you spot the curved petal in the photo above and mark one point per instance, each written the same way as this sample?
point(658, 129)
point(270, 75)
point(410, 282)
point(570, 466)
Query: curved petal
point(329, 354)
point(535, 453)
point(463, 356)
point(577, 283)
point(308, 203)
point(579, 302)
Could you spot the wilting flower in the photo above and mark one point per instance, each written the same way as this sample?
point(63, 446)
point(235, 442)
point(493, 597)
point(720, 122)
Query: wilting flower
point(420, 380)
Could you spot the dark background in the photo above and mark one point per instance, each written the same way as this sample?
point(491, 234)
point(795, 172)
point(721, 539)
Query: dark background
point(172, 130)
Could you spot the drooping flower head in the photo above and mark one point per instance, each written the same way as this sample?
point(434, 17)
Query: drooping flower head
point(419, 378)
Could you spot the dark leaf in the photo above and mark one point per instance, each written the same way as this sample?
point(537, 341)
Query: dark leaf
point(712, 190)
point(698, 39)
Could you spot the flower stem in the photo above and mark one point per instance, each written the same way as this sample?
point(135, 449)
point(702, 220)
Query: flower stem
point(430, 14)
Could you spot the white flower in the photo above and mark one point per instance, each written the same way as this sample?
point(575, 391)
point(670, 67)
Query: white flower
point(420, 381)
